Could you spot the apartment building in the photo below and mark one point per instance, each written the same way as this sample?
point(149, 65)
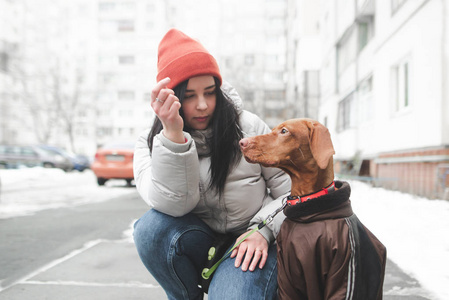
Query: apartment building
point(128, 37)
point(303, 58)
point(253, 55)
point(384, 88)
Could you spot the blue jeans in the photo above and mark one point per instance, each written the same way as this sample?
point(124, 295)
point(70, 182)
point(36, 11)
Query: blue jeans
point(174, 250)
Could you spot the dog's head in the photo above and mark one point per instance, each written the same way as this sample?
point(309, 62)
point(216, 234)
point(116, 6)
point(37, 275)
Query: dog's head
point(296, 142)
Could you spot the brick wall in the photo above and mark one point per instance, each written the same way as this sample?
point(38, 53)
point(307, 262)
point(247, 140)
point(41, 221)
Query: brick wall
point(422, 172)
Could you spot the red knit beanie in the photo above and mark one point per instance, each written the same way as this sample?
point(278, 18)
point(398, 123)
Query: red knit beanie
point(181, 57)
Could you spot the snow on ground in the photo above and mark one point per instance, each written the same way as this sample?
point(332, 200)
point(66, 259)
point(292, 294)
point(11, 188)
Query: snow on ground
point(26, 191)
point(414, 229)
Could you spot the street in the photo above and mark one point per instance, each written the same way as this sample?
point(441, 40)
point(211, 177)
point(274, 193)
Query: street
point(30, 242)
point(53, 253)
point(85, 251)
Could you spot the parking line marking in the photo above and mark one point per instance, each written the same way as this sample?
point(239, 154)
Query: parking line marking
point(94, 284)
point(54, 263)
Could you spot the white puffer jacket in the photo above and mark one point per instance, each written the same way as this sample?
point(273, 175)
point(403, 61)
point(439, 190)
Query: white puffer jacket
point(174, 180)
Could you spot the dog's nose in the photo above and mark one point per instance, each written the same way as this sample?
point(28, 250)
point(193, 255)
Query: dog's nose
point(243, 142)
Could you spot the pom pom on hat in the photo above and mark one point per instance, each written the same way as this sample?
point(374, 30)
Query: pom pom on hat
point(180, 57)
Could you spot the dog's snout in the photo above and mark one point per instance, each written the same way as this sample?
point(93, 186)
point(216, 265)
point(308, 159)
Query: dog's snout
point(243, 142)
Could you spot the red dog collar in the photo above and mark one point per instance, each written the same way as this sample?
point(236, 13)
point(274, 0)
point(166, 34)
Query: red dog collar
point(292, 200)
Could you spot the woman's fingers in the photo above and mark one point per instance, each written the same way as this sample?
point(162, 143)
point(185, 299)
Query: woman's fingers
point(251, 252)
point(263, 260)
point(166, 106)
point(241, 250)
point(250, 255)
point(258, 255)
point(162, 96)
point(158, 87)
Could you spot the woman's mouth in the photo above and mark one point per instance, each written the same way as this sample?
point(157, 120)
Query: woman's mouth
point(201, 119)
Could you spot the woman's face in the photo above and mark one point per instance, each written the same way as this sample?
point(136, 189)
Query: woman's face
point(199, 102)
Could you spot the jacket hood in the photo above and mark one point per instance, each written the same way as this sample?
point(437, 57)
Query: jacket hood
point(231, 93)
point(331, 206)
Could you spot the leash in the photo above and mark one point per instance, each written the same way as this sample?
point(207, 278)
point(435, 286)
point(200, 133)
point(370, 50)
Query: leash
point(206, 273)
point(289, 200)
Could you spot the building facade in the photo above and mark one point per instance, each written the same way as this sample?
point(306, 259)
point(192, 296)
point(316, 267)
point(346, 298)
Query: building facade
point(384, 88)
point(78, 74)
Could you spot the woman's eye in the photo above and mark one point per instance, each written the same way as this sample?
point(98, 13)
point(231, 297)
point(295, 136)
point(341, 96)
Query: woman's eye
point(211, 93)
point(188, 96)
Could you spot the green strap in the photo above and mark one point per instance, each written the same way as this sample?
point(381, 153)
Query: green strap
point(207, 272)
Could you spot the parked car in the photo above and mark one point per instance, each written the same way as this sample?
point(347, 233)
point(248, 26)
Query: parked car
point(114, 161)
point(80, 162)
point(14, 156)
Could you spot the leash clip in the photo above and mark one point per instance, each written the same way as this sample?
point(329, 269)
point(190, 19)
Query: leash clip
point(272, 215)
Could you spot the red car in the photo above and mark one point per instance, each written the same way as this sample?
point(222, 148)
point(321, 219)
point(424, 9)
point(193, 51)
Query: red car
point(114, 161)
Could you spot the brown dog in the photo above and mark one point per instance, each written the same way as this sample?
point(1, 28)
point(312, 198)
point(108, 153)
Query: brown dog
point(324, 251)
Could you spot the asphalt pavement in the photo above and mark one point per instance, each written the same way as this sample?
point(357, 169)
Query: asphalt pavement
point(109, 268)
point(82, 275)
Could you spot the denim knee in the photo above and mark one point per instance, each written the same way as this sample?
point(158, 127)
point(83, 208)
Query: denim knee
point(173, 250)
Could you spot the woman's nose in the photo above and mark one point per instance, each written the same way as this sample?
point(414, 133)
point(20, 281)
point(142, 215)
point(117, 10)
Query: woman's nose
point(202, 104)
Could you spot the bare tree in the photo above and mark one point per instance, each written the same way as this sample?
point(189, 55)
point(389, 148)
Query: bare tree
point(33, 92)
point(67, 103)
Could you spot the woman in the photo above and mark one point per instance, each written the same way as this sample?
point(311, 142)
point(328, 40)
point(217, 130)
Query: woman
point(188, 168)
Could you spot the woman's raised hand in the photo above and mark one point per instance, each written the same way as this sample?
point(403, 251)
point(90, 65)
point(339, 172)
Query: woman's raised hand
point(166, 106)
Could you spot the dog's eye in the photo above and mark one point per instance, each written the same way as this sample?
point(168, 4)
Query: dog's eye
point(283, 131)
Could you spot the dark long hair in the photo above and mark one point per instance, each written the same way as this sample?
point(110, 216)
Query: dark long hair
point(226, 134)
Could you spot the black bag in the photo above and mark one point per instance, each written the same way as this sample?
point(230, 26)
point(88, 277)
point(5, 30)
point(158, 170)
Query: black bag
point(215, 253)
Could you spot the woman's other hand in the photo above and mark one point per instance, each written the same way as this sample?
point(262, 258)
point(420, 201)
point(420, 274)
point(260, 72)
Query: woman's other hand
point(254, 249)
point(166, 106)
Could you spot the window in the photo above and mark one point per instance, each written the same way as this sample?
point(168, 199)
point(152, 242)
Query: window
point(126, 25)
point(346, 113)
point(249, 59)
point(126, 95)
point(346, 51)
point(82, 113)
point(106, 6)
point(125, 113)
point(106, 78)
point(366, 100)
point(147, 97)
point(274, 113)
point(104, 112)
point(104, 131)
point(277, 95)
point(126, 60)
point(366, 32)
point(127, 6)
point(400, 90)
point(273, 77)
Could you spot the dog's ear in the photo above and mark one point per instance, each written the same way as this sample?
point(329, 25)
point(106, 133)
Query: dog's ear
point(320, 143)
